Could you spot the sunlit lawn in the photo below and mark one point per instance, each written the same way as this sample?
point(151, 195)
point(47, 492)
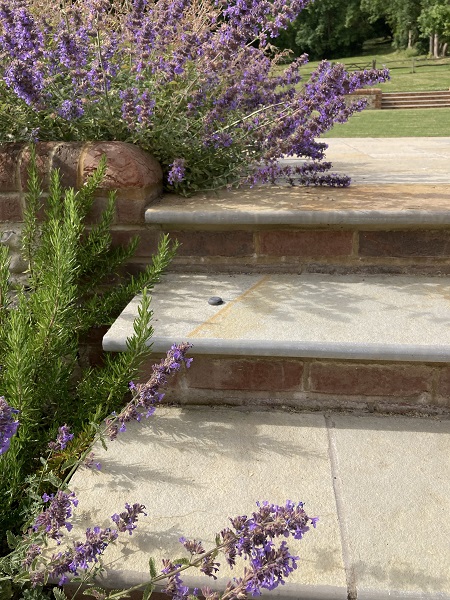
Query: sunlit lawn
point(428, 122)
point(427, 75)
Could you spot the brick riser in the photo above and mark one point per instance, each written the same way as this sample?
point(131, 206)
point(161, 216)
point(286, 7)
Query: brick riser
point(310, 384)
point(415, 251)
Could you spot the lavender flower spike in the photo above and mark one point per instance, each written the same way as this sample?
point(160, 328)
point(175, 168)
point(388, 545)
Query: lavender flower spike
point(62, 439)
point(146, 396)
point(127, 519)
point(8, 424)
point(56, 515)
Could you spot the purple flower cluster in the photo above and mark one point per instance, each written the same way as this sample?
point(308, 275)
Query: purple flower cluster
point(250, 538)
point(126, 520)
point(193, 83)
point(177, 171)
point(56, 515)
point(62, 439)
point(148, 395)
point(80, 556)
point(8, 424)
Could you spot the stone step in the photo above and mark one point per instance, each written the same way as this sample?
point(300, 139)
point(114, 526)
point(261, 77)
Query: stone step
point(397, 100)
point(393, 228)
point(379, 486)
point(394, 218)
point(307, 341)
point(425, 94)
point(403, 104)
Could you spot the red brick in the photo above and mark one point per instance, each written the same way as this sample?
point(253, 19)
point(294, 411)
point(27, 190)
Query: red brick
point(305, 243)
point(244, 374)
point(444, 383)
point(66, 159)
point(148, 240)
point(9, 166)
point(44, 152)
point(10, 207)
point(128, 167)
point(369, 380)
point(402, 244)
point(214, 243)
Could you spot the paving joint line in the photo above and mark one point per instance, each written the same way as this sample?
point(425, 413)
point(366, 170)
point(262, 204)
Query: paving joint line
point(350, 576)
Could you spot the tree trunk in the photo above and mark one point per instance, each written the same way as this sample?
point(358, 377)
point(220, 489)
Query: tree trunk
point(444, 49)
point(436, 46)
point(430, 48)
point(410, 36)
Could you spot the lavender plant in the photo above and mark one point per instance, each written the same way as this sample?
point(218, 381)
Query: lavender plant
point(30, 567)
point(195, 83)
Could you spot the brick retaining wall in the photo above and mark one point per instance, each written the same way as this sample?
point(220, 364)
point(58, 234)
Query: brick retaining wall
point(372, 95)
point(135, 175)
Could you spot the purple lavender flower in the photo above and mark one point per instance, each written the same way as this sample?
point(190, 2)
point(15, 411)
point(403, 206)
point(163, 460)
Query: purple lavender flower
point(90, 462)
point(126, 520)
point(81, 555)
point(177, 171)
point(174, 586)
point(33, 551)
point(8, 424)
point(147, 396)
point(252, 538)
point(56, 515)
point(62, 439)
point(71, 109)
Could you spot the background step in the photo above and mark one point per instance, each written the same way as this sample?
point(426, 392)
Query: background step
point(433, 99)
point(305, 340)
point(416, 104)
point(382, 501)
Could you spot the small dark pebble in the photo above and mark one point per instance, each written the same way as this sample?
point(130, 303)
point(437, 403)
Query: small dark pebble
point(215, 300)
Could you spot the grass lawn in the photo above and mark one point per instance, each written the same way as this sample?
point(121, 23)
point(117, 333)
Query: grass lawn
point(426, 122)
point(427, 75)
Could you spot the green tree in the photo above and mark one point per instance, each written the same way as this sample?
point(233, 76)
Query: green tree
point(401, 17)
point(434, 22)
point(328, 29)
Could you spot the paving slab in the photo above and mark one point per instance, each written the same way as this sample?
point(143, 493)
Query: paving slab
point(193, 468)
point(391, 160)
point(379, 485)
point(347, 316)
point(394, 497)
point(394, 181)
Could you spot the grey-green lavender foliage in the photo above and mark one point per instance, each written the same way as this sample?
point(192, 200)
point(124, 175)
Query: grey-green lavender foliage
point(41, 325)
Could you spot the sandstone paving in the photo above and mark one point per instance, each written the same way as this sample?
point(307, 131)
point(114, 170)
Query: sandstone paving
point(388, 204)
point(394, 488)
point(336, 316)
point(379, 485)
point(384, 160)
point(193, 468)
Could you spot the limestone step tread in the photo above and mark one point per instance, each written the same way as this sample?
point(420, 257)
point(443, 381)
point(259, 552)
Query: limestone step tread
point(379, 485)
point(309, 315)
point(394, 181)
point(396, 205)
